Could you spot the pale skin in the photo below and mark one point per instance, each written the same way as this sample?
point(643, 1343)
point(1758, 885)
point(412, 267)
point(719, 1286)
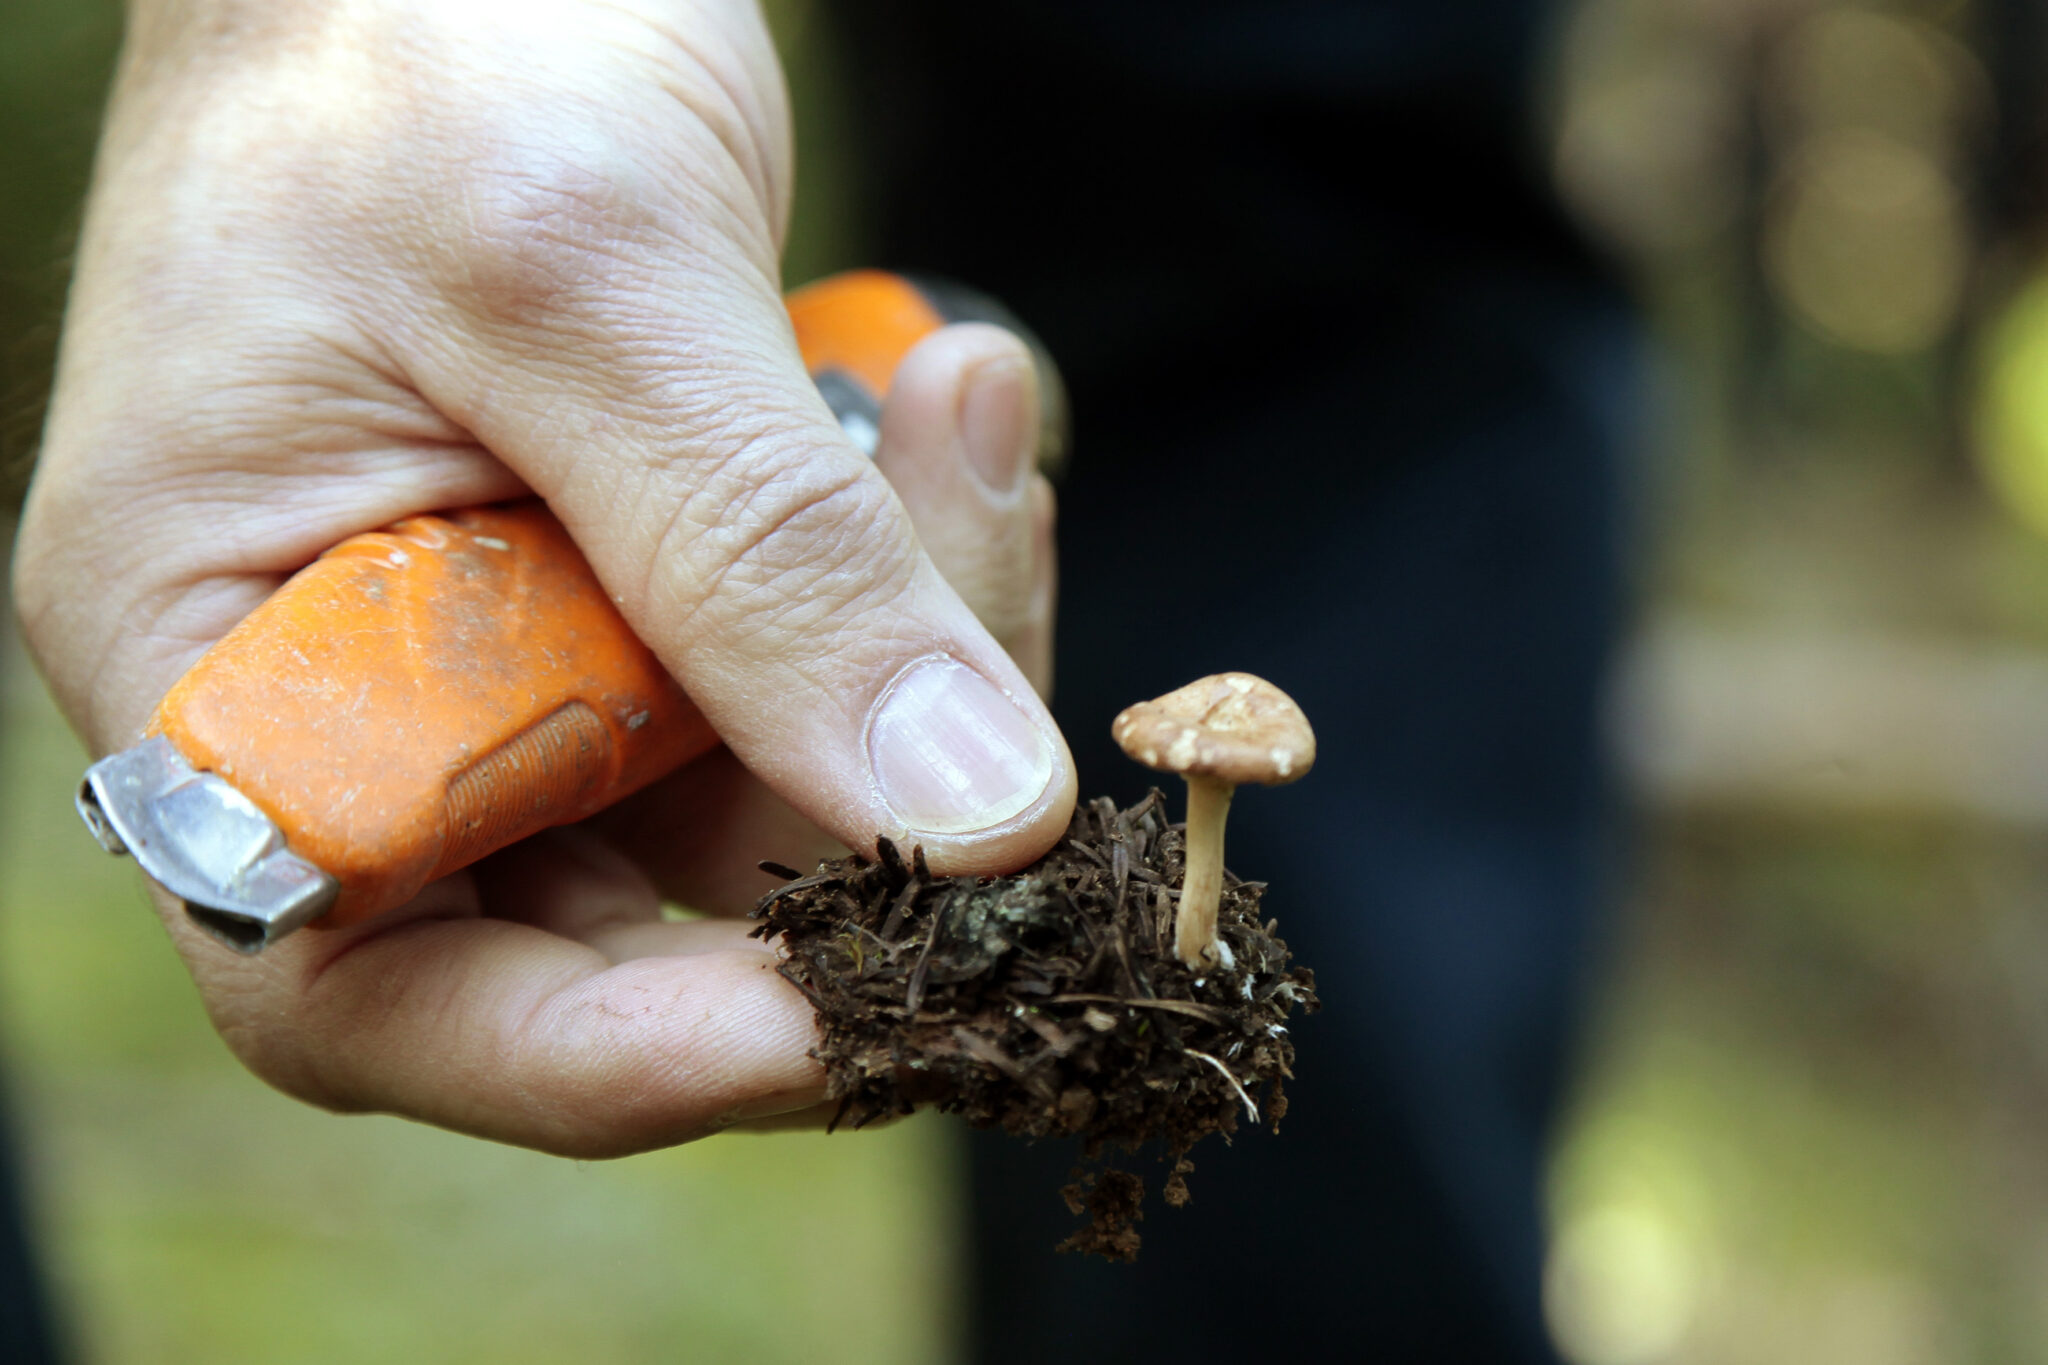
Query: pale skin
point(353, 260)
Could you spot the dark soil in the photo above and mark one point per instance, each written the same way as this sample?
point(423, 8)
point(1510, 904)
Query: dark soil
point(1048, 1004)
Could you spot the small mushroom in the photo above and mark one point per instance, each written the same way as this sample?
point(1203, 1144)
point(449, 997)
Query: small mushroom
point(1219, 732)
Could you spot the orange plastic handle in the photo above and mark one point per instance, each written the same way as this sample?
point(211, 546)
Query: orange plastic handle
point(424, 695)
point(861, 323)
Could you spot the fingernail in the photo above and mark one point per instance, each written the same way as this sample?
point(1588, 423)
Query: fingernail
point(951, 753)
point(995, 414)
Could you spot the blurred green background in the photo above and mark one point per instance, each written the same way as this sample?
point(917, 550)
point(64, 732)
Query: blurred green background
point(1814, 1119)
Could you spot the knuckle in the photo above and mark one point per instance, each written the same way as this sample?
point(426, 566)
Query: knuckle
point(545, 238)
point(1006, 607)
point(779, 549)
point(589, 218)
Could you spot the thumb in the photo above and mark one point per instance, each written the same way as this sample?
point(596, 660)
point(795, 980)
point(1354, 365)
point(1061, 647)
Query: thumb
point(768, 564)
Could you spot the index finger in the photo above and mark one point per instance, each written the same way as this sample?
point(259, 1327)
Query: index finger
point(506, 1031)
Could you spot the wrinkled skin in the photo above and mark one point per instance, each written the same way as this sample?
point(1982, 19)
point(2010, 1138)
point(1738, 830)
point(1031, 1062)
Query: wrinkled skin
point(345, 262)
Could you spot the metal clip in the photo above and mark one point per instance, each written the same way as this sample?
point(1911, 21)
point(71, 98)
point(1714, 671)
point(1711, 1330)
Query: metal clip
point(205, 843)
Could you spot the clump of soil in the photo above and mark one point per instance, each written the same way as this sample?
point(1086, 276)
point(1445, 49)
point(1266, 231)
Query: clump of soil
point(1049, 1003)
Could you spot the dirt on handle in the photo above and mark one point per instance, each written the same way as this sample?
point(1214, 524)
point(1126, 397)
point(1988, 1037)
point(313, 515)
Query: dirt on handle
point(1047, 1004)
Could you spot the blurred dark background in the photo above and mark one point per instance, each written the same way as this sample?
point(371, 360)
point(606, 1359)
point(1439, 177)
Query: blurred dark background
point(1811, 1124)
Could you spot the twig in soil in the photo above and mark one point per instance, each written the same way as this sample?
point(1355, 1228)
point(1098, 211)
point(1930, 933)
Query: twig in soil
point(1202, 1012)
point(1230, 1076)
point(924, 963)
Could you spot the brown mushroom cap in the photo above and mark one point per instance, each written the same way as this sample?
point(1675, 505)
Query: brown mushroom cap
point(1233, 727)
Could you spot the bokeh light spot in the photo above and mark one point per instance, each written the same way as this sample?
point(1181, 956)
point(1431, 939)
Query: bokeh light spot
point(1622, 1285)
point(2011, 417)
point(1867, 242)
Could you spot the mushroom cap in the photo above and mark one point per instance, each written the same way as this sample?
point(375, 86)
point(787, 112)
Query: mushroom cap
point(1233, 727)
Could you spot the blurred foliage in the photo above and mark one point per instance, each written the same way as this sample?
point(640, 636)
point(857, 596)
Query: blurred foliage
point(1812, 1128)
point(54, 60)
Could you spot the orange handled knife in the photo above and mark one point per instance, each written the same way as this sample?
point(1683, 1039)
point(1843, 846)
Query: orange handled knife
point(423, 695)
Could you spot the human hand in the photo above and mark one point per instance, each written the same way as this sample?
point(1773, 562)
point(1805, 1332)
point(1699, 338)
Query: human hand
point(349, 262)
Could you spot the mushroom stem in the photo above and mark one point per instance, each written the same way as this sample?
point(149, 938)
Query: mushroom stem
point(1201, 892)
